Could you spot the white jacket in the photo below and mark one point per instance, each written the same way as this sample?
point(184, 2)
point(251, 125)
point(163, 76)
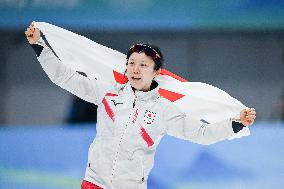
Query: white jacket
point(129, 127)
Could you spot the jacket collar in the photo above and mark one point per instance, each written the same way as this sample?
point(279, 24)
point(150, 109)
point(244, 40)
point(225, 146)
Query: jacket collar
point(144, 96)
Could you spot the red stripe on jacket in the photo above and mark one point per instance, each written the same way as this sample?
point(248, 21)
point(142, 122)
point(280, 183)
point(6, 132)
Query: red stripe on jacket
point(146, 137)
point(108, 109)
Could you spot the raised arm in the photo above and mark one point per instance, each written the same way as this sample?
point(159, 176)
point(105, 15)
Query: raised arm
point(87, 89)
point(181, 126)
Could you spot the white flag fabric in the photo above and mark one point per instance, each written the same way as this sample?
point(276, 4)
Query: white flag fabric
point(198, 100)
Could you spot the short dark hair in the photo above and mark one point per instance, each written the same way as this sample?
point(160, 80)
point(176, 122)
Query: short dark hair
point(159, 61)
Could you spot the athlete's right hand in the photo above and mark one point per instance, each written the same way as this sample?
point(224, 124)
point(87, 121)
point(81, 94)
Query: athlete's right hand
point(32, 34)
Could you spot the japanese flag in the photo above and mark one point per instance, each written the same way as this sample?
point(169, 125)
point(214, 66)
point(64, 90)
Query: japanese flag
point(199, 100)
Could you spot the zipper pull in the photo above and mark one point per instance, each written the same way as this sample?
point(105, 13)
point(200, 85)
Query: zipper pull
point(134, 102)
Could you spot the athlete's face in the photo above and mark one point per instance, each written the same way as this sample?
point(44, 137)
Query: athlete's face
point(140, 71)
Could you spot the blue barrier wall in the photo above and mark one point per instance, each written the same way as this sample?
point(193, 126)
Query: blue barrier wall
point(49, 157)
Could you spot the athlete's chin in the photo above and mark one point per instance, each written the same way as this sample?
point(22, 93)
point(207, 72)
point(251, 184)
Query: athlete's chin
point(139, 86)
point(135, 86)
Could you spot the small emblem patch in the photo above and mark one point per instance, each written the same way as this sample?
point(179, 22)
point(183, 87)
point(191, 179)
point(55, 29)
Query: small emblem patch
point(149, 117)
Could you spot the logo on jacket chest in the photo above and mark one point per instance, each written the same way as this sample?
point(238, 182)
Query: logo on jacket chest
point(115, 103)
point(149, 117)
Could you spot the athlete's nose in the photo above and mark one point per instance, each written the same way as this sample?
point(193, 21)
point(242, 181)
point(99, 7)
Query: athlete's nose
point(136, 69)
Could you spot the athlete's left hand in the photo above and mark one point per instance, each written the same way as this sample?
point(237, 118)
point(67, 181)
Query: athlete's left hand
point(248, 116)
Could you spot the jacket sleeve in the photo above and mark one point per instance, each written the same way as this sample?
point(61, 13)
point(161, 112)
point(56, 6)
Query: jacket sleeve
point(90, 90)
point(182, 126)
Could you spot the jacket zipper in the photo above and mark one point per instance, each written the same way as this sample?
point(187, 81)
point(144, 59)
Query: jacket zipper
point(119, 144)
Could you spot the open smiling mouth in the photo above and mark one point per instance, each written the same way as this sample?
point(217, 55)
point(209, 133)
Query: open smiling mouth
point(136, 78)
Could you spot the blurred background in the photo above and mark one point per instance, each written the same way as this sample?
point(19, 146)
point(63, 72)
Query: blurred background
point(236, 45)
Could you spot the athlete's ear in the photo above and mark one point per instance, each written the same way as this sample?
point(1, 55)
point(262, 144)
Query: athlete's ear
point(157, 72)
